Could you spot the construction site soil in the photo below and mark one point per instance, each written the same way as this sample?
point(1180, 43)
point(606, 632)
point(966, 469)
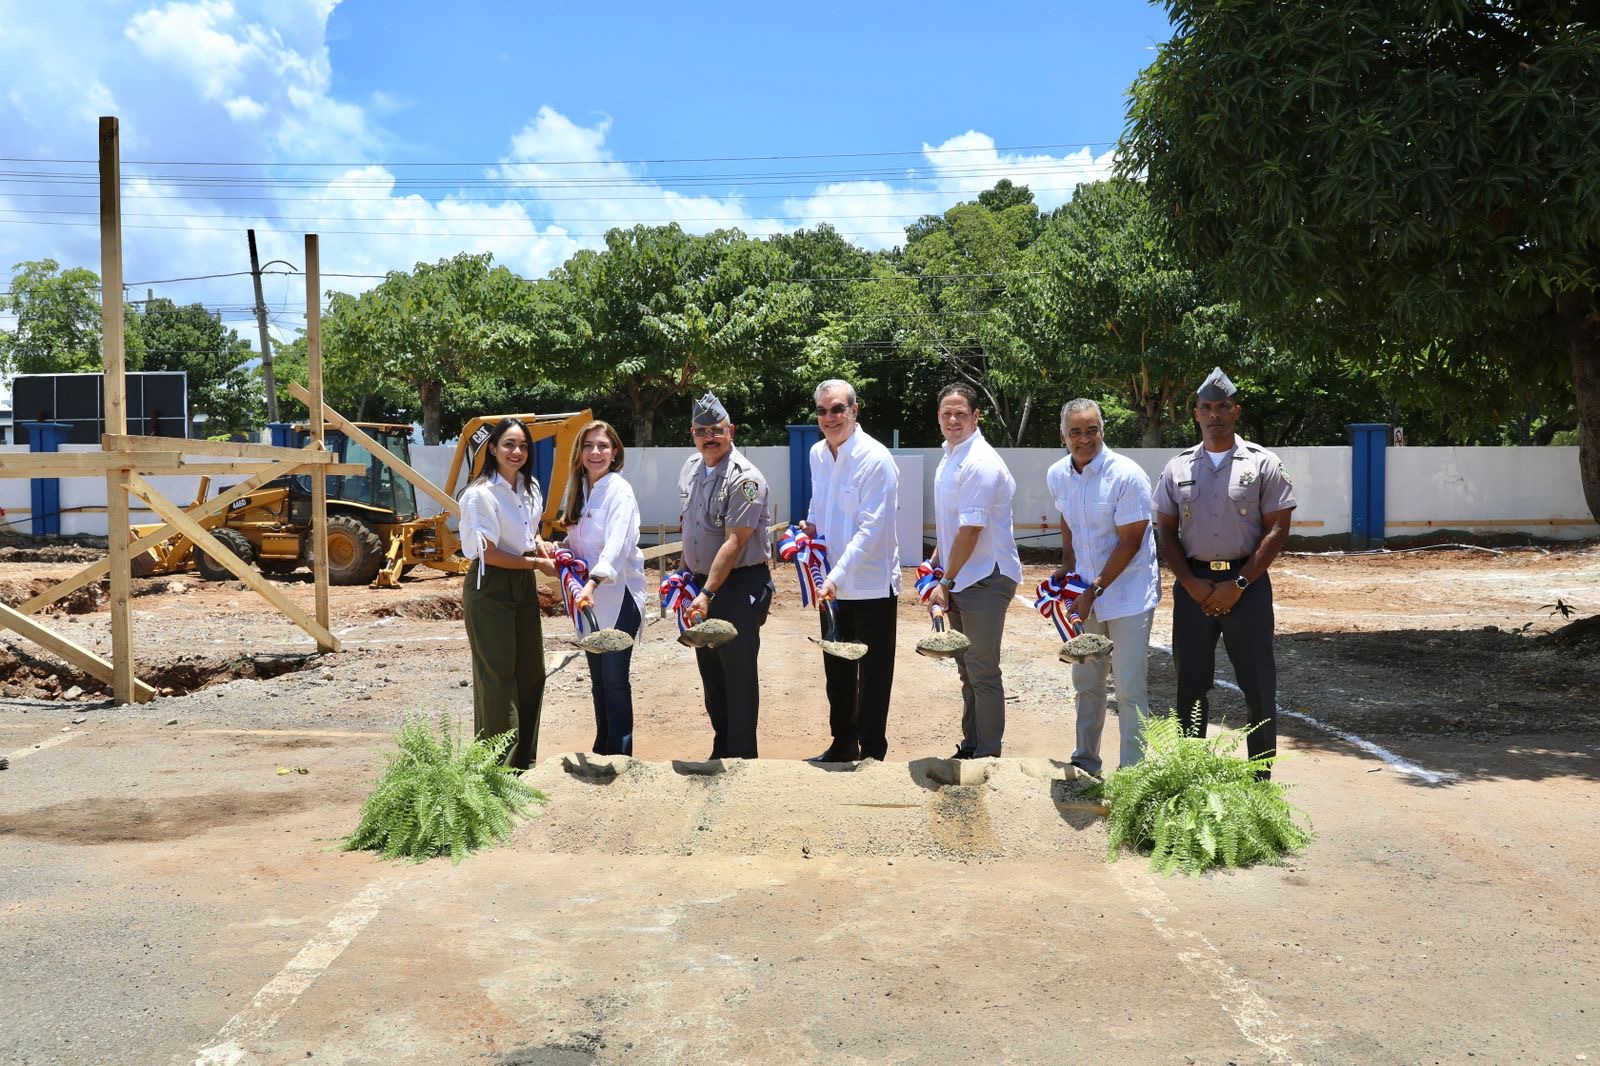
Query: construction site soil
point(171, 892)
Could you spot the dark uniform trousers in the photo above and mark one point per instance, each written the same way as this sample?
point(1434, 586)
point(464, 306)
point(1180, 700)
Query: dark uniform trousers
point(506, 635)
point(858, 691)
point(728, 673)
point(1246, 633)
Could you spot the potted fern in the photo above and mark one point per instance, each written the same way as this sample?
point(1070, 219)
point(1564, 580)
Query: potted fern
point(441, 796)
point(1195, 805)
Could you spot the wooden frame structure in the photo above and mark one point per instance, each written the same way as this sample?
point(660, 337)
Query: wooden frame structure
point(127, 462)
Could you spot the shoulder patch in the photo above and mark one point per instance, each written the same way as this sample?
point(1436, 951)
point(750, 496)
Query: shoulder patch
point(751, 490)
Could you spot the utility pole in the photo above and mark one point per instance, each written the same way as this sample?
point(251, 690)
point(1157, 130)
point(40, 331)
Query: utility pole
point(261, 324)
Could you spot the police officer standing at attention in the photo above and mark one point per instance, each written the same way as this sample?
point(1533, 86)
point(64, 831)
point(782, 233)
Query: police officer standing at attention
point(725, 519)
point(1222, 516)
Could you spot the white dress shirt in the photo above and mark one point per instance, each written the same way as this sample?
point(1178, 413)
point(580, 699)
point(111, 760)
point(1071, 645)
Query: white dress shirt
point(1111, 490)
point(853, 499)
point(494, 512)
point(973, 487)
point(606, 537)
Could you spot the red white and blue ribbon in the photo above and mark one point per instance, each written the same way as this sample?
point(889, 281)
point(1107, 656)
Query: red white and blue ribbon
point(573, 574)
point(928, 576)
point(677, 593)
point(1058, 601)
point(810, 558)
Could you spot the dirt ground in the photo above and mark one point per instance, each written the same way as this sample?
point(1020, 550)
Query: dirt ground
point(170, 896)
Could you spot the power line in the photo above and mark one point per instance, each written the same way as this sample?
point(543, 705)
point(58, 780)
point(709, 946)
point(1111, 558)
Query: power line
point(585, 162)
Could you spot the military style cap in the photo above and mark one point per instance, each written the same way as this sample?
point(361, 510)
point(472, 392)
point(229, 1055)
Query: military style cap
point(1216, 387)
point(708, 411)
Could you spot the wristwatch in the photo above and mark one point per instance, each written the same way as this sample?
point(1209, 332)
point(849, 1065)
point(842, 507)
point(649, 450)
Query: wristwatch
point(949, 583)
point(709, 594)
point(1098, 589)
point(1242, 581)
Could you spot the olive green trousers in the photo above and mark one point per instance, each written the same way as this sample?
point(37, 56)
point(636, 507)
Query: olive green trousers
point(506, 636)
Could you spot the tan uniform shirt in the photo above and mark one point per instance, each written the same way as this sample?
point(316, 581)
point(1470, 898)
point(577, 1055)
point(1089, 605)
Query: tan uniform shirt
point(733, 494)
point(1219, 509)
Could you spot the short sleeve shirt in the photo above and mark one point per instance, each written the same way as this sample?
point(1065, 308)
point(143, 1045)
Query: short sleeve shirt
point(973, 487)
point(1219, 508)
point(733, 494)
point(1110, 491)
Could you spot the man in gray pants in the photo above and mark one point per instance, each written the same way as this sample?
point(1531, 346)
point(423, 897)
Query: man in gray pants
point(972, 491)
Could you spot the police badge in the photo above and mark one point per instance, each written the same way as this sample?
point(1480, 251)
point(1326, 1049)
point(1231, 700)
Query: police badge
point(751, 490)
point(1246, 477)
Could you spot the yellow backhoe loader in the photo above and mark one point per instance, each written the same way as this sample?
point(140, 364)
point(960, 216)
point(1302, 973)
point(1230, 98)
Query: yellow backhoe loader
point(374, 532)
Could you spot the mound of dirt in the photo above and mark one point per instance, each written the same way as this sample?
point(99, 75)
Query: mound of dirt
point(1005, 809)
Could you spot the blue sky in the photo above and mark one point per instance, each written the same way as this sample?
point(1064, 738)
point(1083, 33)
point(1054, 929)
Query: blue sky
point(407, 131)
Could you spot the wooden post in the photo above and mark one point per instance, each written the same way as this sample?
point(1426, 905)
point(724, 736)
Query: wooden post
point(117, 521)
point(319, 484)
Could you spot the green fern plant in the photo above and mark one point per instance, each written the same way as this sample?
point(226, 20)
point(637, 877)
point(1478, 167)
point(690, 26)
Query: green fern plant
point(1195, 805)
point(440, 796)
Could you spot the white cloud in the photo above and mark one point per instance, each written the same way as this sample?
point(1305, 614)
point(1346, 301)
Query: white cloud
point(244, 109)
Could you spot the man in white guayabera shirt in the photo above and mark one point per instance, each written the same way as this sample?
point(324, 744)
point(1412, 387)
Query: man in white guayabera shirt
point(854, 487)
point(972, 491)
point(1104, 500)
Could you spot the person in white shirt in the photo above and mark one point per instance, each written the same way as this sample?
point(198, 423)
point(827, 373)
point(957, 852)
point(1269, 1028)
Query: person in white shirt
point(1105, 504)
point(854, 493)
point(500, 514)
point(602, 520)
point(972, 492)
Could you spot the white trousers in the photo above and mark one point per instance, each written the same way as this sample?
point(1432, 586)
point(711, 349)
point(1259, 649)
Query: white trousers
point(1129, 660)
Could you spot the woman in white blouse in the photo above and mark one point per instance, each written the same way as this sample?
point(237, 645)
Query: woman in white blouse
point(602, 519)
point(500, 514)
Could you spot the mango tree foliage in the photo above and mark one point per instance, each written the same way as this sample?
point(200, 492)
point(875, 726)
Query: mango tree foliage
point(1382, 177)
point(58, 320)
point(962, 264)
point(438, 324)
point(659, 314)
point(224, 385)
point(1112, 309)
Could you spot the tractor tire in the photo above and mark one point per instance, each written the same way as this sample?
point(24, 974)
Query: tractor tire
point(235, 542)
point(355, 551)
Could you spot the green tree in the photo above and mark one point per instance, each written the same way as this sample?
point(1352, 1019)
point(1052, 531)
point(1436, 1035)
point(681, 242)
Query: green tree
point(1111, 307)
point(1381, 178)
point(659, 314)
point(223, 383)
point(961, 265)
point(441, 323)
point(58, 320)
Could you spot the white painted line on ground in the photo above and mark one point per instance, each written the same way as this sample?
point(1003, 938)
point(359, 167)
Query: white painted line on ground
point(48, 742)
point(280, 993)
point(1254, 1017)
point(1389, 758)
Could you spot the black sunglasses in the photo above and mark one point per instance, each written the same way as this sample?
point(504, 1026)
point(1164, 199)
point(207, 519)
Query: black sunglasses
point(836, 410)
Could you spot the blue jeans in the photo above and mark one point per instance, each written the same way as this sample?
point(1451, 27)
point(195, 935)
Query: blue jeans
point(613, 693)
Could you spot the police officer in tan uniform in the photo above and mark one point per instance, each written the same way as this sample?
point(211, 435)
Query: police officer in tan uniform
point(1222, 516)
point(725, 518)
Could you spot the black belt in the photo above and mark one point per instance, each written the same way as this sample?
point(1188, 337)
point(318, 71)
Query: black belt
point(1218, 564)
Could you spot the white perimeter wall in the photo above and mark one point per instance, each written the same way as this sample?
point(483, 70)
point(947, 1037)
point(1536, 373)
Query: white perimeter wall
point(1478, 490)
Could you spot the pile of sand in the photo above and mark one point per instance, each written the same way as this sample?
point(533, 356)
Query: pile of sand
point(1002, 809)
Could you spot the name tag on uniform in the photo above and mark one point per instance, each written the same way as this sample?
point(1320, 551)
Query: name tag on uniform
point(1185, 484)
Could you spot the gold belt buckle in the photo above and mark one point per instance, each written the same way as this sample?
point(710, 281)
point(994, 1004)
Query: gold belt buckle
point(1220, 564)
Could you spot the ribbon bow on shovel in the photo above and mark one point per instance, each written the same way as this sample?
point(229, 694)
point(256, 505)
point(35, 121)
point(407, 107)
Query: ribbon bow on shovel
point(941, 643)
point(1058, 601)
point(678, 591)
point(810, 557)
point(573, 574)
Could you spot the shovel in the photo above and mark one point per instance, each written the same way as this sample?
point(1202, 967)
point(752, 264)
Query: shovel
point(712, 633)
point(942, 643)
point(831, 644)
point(601, 641)
point(1085, 648)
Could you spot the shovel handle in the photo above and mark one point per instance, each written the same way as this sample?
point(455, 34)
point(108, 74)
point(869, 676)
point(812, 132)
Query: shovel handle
point(937, 613)
point(831, 620)
point(588, 616)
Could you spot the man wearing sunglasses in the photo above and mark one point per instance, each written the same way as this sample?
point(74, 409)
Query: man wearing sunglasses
point(854, 489)
point(725, 518)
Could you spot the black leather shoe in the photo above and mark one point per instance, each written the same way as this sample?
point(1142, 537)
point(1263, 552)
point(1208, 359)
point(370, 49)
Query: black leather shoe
point(963, 753)
point(836, 755)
